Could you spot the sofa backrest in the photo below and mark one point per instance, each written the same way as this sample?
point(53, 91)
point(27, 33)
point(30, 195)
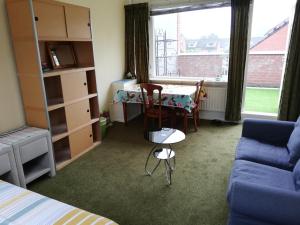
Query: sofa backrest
point(296, 175)
point(294, 143)
point(298, 121)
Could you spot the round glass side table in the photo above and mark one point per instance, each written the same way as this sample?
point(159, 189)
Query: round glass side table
point(162, 150)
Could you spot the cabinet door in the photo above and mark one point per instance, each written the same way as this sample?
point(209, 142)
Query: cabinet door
point(78, 22)
point(50, 20)
point(78, 114)
point(74, 85)
point(81, 140)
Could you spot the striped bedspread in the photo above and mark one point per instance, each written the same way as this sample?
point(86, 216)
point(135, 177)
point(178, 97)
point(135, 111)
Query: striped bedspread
point(22, 207)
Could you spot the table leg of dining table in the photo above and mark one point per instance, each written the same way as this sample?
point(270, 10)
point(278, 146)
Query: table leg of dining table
point(185, 122)
point(125, 113)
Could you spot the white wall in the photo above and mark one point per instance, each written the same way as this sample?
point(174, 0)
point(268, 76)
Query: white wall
point(11, 108)
point(108, 36)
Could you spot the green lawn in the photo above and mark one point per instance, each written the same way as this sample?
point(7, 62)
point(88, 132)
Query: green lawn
point(261, 100)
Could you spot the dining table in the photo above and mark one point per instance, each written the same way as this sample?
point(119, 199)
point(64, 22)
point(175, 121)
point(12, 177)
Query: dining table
point(176, 96)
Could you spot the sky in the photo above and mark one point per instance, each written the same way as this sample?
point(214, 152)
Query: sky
point(266, 14)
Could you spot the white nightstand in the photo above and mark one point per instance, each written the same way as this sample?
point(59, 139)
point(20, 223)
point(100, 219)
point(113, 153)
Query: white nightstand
point(32, 149)
point(8, 169)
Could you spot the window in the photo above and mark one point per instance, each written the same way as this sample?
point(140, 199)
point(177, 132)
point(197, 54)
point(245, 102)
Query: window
point(267, 55)
point(192, 45)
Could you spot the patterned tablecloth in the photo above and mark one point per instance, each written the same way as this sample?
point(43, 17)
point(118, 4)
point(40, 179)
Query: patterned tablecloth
point(181, 96)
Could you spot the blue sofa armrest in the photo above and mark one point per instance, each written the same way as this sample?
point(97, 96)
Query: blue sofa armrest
point(268, 204)
point(268, 131)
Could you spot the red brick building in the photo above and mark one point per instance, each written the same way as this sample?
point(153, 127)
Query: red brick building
point(265, 61)
point(266, 58)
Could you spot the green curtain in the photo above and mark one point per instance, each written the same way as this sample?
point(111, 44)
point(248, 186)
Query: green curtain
point(137, 41)
point(289, 108)
point(129, 40)
point(237, 58)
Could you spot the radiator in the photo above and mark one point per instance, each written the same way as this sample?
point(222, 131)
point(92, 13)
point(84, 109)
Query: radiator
point(216, 100)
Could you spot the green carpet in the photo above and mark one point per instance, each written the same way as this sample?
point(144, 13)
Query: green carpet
point(110, 179)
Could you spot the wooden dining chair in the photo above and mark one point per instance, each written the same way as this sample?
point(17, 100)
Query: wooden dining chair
point(153, 106)
point(194, 114)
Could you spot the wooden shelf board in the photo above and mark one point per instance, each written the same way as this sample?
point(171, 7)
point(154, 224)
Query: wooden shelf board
point(61, 165)
point(54, 107)
point(65, 134)
point(59, 72)
point(56, 39)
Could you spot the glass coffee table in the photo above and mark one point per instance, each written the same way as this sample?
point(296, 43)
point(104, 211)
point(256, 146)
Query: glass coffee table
point(162, 150)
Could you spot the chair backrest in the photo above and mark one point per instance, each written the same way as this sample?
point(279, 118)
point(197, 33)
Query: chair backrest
point(199, 90)
point(148, 95)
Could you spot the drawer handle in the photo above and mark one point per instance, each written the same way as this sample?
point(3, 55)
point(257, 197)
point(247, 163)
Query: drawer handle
point(84, 83)
point(91, 135)
point(36, 18)
point(87, 110)
point(89, 24)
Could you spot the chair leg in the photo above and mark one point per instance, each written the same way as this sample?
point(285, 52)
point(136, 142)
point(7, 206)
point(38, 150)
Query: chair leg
point(195, 120)
point(145, 122)
point(173, 118)
point(198, 118)
point(159, 122)
point(185, 122)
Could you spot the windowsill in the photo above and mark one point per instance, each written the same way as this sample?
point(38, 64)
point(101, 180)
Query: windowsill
point(186, 81)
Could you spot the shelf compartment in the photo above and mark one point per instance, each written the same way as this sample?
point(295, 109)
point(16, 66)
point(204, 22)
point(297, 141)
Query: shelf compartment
point(64, 53)
point(91, 81)
point(96, 132)
point(84, 53)
point(36, 168)
point(62, 150)
point(94, 107)
point(63, 135)
point(61, 165)
point(53, 90)
point(58, 121)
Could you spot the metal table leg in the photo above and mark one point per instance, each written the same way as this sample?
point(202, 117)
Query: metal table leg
point(146, 165)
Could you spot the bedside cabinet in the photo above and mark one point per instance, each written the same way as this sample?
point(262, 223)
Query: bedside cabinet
point(8, 169)
point(33, 153)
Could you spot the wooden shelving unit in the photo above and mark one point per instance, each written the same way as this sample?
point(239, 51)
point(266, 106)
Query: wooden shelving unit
point(63, 96)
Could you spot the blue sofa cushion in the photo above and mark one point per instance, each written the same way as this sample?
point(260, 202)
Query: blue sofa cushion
point(238, 219)
point(294, 144)
point(263, 193)
point(259, 174)
point(256, 151)
point(296, 174)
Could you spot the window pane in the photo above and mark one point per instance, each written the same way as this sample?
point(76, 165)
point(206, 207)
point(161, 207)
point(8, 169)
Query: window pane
point(267, 54)
point(192, 44)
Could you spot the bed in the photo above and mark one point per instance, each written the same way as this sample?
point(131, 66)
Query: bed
point(19, 206)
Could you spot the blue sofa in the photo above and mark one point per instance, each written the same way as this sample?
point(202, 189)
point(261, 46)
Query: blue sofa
point(265, 142)
point(264, 186)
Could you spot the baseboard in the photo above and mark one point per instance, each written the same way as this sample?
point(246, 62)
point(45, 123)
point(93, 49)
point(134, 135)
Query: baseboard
point(211, 115)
